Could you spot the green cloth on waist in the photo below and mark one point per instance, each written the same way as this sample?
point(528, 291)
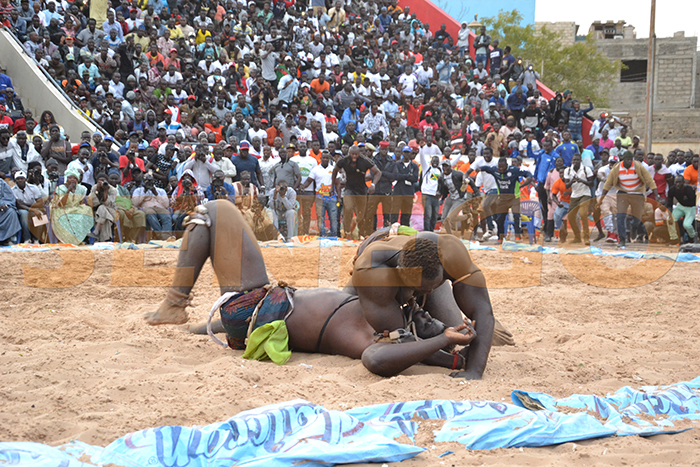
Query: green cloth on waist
point(406, 230)
point(269, 342)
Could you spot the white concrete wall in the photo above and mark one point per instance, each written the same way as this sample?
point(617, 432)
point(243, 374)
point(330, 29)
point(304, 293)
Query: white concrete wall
point(37, 92)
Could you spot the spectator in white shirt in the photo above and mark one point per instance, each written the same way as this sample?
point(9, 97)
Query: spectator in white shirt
point(408, 81)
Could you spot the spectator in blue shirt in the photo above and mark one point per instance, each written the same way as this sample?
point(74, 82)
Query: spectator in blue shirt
point(244, 162)
point(544, 162)
point(576, 117)
point(445, 69)
point(516, 103)
point(384, 19)
point(244, 107)
point(351, 114)
point(566, 149)
point(219, 189)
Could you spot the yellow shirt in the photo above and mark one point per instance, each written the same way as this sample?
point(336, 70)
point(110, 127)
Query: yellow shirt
point(176, 33)
point(202, 36)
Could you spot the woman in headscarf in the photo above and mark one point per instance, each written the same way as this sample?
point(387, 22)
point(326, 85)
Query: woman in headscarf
point(9, 221)
point(103, 199)
point(71, 220)
point(185, 198)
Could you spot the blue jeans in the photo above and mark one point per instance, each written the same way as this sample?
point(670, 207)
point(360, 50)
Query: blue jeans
point(560, 214)
point(160, 222)
point(489, 200)
point(177, 220)
point(24, 221)
point(431, 206)
point(624, 202)
point(575, 135)
point(330, 206)
point(480, 58)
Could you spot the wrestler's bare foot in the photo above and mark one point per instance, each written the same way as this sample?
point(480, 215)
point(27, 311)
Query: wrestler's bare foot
point(501, 335)
point(167, 314)
point(173, 310)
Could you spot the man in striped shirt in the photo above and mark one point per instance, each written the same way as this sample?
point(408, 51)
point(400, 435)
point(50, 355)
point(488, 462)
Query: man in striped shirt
point(631, 179)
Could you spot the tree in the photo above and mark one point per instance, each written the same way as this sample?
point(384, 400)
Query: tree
point(579, 67)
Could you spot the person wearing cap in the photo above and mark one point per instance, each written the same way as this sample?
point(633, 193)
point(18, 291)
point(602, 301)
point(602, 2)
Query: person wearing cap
point(244, 162)
point(631, 180)
point(598, 125)
point(28, 203)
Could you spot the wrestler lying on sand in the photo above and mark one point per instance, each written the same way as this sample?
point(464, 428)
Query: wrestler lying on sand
point(368, 320)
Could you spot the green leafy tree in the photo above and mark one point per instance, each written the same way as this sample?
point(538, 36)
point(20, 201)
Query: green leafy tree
point(579, 67)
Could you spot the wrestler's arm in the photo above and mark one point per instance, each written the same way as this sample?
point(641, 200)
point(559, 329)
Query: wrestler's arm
point(472, 297)
point(385, 359)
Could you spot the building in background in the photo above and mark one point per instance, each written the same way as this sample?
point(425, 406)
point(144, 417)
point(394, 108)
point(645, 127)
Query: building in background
point(676, 87)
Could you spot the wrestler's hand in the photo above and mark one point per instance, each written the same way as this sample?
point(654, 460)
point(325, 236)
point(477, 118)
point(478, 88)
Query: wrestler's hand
point(460, 335)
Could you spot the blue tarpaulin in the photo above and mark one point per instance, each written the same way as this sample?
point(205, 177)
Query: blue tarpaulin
point(301, 433)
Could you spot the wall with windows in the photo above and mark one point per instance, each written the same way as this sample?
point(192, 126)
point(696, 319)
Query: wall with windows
point(676, 72)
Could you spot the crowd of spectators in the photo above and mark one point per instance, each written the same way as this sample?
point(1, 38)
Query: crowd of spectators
point(343, 111)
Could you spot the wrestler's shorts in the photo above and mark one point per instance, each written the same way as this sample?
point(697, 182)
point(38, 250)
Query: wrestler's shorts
point(237, 312)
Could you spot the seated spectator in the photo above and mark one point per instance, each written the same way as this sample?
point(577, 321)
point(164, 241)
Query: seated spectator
point(283, 204)
point(152, 202)
point(71, 219)
point(29, 205)
point(103, 199)
point(185, 198)
point(219, 189)
point(247, 199)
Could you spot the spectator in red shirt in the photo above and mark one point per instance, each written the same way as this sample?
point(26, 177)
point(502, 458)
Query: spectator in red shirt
point(427, 122)
point(129, 161)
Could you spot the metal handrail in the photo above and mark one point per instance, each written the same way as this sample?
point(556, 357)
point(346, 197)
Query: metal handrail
point(57, 85)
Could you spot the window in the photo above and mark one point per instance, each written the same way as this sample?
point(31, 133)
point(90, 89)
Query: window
point(633, 71)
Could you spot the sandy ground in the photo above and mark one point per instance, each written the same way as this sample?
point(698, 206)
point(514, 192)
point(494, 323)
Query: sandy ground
point(78, 362)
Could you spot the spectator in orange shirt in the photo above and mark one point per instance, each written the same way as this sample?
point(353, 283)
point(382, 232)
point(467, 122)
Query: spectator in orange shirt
point(274, 131)
point(216, 128)
point(691, 172)
point(315, 151)
point(562, 198)
point(319, 85)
